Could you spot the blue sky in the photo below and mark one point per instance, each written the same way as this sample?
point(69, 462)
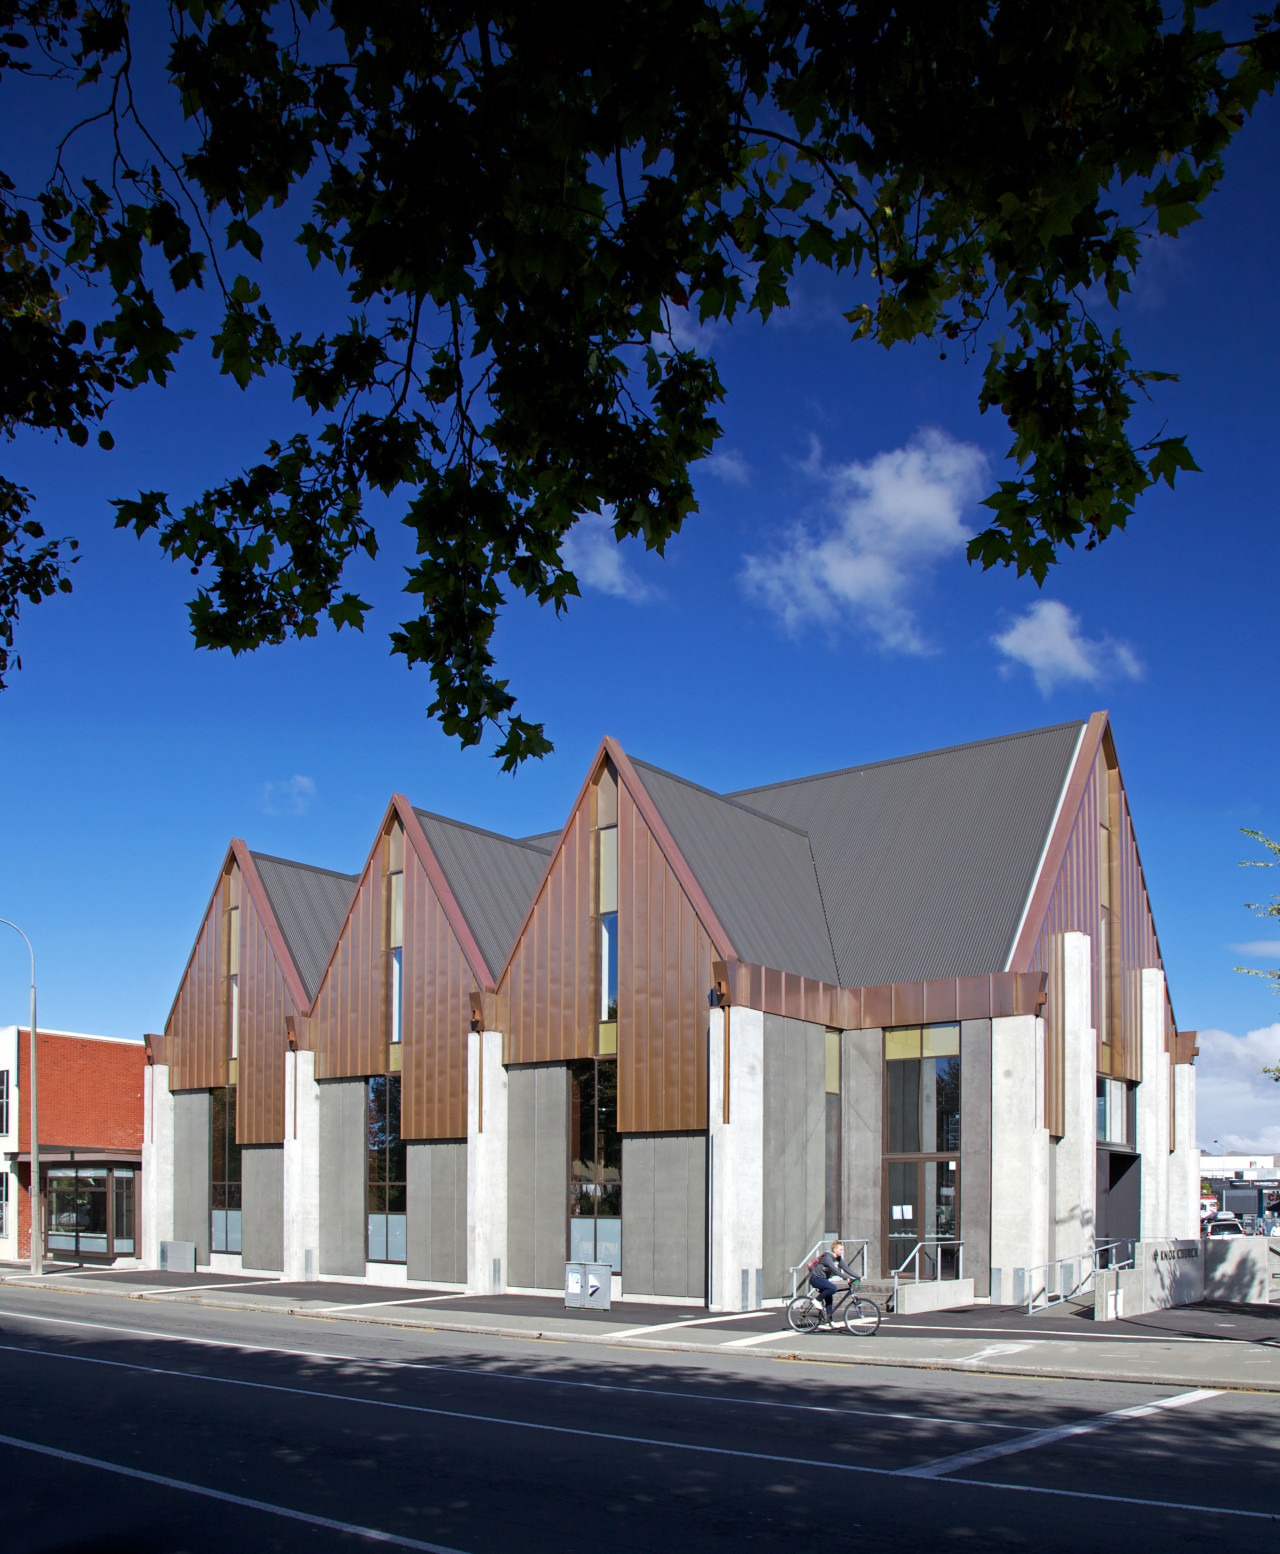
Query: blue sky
point(817, 613)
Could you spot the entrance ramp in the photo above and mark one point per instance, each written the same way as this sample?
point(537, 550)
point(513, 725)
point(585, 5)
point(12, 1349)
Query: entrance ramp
point(933, 1295)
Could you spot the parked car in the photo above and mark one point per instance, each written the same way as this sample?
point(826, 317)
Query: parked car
point(1225, 1227)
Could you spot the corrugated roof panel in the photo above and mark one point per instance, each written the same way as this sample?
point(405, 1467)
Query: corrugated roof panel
point(758, 874)
point(492, 878)
point(310, 906)
point(547, 840)
point(926, 862)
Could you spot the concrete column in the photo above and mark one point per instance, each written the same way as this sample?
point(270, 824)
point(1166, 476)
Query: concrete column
point(862, 1105)
point(1184, 1162)
point(975, 1152)
point(735, 1241)
point(157, 1162)
point(1153, 1109)
point(1019, 1148)
point(1075, 1162)
point(486, 1164)
point(301, 1167)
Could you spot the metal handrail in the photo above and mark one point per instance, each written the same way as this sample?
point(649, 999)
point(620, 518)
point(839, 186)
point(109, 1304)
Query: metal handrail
point(1068, 1287)
point(817, 1249)
point(914, 1257)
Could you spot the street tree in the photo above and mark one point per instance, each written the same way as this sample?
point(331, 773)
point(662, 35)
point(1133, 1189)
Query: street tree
point(517, 205)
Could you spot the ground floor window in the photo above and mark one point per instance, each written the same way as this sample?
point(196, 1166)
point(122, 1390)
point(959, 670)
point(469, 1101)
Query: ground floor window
point(387, 1188)
point(225, 1193)
point(90, 1210)
point(4, 1203)
point(922, 1205)
point(595, 1163)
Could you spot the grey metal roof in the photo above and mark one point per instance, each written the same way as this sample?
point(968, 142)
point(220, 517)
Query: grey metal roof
point(926, 862)
point(310, 905)
point(545, 839)
point(492, 878)
point(758, 874)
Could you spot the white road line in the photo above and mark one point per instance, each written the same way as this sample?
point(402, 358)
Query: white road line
point(546, 1381)
point(757, 1338)
point(893, 1325)
point(208, 1289)
point(372, 1533)
point(595, 1435)
point(666, 1327)
point(969, 1459)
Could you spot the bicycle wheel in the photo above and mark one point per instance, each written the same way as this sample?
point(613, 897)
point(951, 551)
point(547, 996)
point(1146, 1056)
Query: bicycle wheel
point(862, 1316)
point(805, 1313)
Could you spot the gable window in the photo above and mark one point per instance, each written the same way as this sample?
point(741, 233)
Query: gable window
point(607, 911)
point(395, 936)
point(233, 973)
point(224, 1173)
point(387, 1189)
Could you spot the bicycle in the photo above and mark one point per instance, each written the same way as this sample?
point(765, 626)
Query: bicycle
point(861, 1316)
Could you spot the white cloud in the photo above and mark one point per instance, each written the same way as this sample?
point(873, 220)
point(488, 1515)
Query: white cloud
point(1259, 947)
point(592, 554)
point(894, 517)
point(1235, 1106)
point(288, 798)
point(1049, 641)
point(729, 466)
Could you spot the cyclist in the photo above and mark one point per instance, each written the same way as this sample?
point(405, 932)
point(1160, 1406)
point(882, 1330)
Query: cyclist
point(829, 1267)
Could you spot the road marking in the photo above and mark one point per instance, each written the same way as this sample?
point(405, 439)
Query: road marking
point(372, 1533)
point(757, 1338)
point(595, 1435)
point(548, 1381)
point(969, 1459)
point(893, 1325)
point(666, 1327)
point(993, 1352)
point(203, 1289)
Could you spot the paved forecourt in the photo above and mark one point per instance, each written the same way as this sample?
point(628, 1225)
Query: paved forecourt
point(1209, 1344)
point(163, 1425)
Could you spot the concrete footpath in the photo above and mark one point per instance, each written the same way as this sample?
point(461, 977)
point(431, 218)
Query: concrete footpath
point(1213, 1344)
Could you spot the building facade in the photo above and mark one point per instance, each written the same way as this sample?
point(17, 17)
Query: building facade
point(90, 1109)
point(920, 1003)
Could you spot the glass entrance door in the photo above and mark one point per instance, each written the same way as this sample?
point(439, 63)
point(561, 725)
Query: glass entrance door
point(922, 1204)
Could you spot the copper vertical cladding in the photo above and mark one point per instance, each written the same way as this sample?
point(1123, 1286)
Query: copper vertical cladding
point(195, 1030)
point(1067, 899)
point(265, 1004)
point(544, 1004)
point(436, 987)
point(664, 986)
point(347, 1029)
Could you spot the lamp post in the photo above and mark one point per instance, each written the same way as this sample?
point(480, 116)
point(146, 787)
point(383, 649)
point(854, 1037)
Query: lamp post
point(37, 1229)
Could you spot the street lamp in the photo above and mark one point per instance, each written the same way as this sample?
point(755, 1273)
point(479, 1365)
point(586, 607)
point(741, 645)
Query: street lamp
point(37, 1229)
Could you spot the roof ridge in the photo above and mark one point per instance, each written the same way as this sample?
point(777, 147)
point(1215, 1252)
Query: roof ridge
point(724, 798)
point(498, 836)
point(295, 863)
point(899, 760)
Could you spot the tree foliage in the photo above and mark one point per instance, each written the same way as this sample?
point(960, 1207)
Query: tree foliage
point(521, 201)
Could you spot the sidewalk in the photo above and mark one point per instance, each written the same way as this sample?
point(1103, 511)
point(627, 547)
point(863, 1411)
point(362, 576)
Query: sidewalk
point(1212, 1344)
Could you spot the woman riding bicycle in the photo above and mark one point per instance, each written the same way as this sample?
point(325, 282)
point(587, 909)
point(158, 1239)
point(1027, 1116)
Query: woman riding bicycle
point(829, 1267)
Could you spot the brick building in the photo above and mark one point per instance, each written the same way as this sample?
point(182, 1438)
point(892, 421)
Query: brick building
point(90, 1144)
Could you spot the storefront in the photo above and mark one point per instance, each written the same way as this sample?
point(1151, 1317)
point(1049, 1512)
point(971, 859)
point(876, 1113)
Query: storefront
point(91, 1204)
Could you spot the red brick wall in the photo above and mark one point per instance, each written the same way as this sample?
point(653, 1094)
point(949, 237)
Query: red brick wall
point(90, 1092)
point(90, 1098)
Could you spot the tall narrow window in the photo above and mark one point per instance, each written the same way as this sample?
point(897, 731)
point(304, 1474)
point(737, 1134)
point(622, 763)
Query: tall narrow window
point(388, 1193)
point(233, 969)
point(922, 1128)
point(607, 910)
point(395, 883)
point(595, 1163)
point(224, 1172)
point(4, 1100)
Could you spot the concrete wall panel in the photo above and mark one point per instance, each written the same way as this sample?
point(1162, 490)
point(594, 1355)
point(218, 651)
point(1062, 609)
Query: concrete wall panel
point(538, 1175)
point(192, 1166)
point(664, 1214)
point(861, 1095)
point(975, 1152)
point(262, 1196)
point(344, 1143)
point(437, 1178)
point(795, 1146)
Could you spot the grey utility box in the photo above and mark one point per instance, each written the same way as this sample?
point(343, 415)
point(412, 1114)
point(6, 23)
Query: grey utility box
point(178, 1256)
point(588, 1285)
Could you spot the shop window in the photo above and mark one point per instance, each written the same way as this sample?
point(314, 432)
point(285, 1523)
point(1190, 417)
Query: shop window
point(387, 1186)
point(4, 1203)
point(595, 1163)
point(225, 1195)
point(90, 1211)
point(4, 1100)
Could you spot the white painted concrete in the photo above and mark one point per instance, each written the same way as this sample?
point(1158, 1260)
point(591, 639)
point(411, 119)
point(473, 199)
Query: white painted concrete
point(9, 1144)
point(486, 1164)
point(1238, 1268)
point(1075, 1154)
point(1153, 1110)
point(301, 1166)
point(934, 1295)
point(157, 1162)
point(1184, 1162)
point(1019, 1147)
point(735, 1238)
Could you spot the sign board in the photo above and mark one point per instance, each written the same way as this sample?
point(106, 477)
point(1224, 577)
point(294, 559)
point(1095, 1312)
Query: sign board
point(1174, 1273)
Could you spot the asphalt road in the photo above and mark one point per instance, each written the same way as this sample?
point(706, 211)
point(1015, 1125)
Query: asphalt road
point(148, 1429)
